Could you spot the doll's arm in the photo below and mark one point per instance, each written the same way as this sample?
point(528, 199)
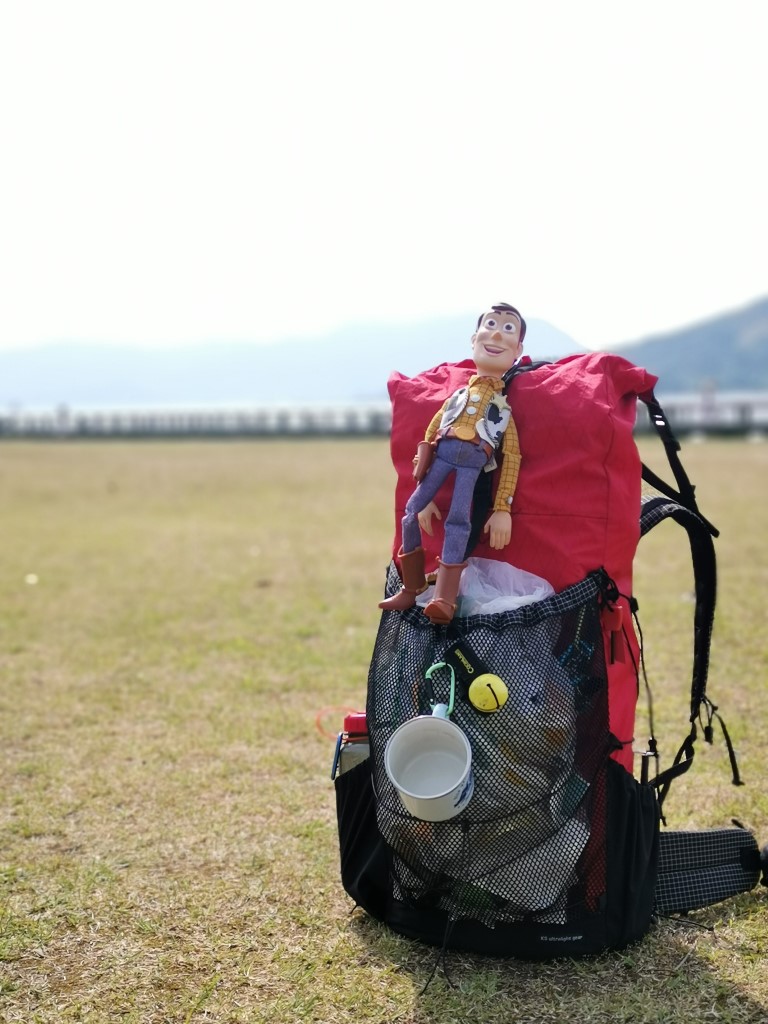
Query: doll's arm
point(425, 450)
point(499, 526)
point(422, 460)
point(510, 469)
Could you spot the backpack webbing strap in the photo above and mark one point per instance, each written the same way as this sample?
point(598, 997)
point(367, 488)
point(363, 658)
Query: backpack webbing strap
point(685, 495)
point(682, 762)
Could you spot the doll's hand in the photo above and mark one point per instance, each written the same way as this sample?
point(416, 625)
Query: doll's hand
point(425, 517)
point(500, 528)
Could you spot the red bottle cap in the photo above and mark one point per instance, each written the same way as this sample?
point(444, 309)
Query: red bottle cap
point(355, 724)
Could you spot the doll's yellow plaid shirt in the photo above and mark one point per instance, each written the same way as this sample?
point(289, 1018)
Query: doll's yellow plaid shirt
point(481, 391)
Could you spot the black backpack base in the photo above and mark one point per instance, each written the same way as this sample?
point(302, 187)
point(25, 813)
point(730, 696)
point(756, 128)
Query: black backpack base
point(623, 917)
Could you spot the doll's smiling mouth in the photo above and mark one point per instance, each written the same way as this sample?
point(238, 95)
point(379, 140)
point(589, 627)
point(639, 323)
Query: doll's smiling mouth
point(492, 351)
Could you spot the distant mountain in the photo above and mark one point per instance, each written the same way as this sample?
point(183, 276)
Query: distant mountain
point(350, 364)
point(728, 352)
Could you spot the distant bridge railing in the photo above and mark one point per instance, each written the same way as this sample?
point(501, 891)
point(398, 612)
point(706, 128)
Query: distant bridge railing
point(363, 419)
point(712, 412)
point(738, 413)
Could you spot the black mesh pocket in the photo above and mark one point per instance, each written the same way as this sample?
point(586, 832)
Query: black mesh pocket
point(530, 845)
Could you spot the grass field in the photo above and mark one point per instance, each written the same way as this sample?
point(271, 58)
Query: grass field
point(180, 626)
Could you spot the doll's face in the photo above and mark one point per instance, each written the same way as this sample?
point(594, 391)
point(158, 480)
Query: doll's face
point(496, 345)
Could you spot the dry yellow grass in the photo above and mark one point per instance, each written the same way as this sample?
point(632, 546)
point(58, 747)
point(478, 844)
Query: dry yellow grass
point(174, 618)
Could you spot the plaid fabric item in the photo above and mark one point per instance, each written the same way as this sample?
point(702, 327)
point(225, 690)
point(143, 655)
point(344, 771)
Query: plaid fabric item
point(697, 869)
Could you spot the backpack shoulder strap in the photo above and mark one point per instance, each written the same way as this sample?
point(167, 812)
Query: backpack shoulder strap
point(524, 367)
point(654, 510)
point(680, 506)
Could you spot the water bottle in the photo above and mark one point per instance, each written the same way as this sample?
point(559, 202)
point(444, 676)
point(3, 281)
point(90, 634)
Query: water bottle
point(352, 745)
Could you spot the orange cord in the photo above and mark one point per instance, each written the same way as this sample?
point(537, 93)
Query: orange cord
point(340, 711)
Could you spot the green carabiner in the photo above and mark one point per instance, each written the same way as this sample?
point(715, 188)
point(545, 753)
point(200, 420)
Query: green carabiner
point(451, 701)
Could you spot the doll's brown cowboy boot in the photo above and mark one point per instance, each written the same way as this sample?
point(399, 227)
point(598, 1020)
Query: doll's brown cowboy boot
point(414, 582)
point(441, 608)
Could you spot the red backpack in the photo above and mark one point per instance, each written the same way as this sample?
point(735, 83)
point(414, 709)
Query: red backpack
point(557, 851)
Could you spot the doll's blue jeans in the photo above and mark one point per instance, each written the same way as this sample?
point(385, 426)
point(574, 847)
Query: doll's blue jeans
point(466, 460)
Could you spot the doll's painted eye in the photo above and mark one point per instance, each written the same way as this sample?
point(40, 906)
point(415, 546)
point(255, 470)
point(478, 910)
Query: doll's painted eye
point(509, 328)
point(490, 322)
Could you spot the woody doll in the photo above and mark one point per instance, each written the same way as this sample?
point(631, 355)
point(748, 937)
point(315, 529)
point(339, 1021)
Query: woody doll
point(463, 438)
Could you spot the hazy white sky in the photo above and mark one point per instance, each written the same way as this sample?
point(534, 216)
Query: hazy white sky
point(176, 171)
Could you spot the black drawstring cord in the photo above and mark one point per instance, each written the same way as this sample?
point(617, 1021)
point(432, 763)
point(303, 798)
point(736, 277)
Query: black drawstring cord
point(648, 691)
point(653, 749)
point(443, 954)
point(442, 957)
point(711, 711)
point(689, 922)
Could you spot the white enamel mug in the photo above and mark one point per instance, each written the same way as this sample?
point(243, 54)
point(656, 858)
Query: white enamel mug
point(429, 762)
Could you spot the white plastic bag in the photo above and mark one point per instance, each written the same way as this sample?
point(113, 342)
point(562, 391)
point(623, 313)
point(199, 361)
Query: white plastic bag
point(488, 586)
